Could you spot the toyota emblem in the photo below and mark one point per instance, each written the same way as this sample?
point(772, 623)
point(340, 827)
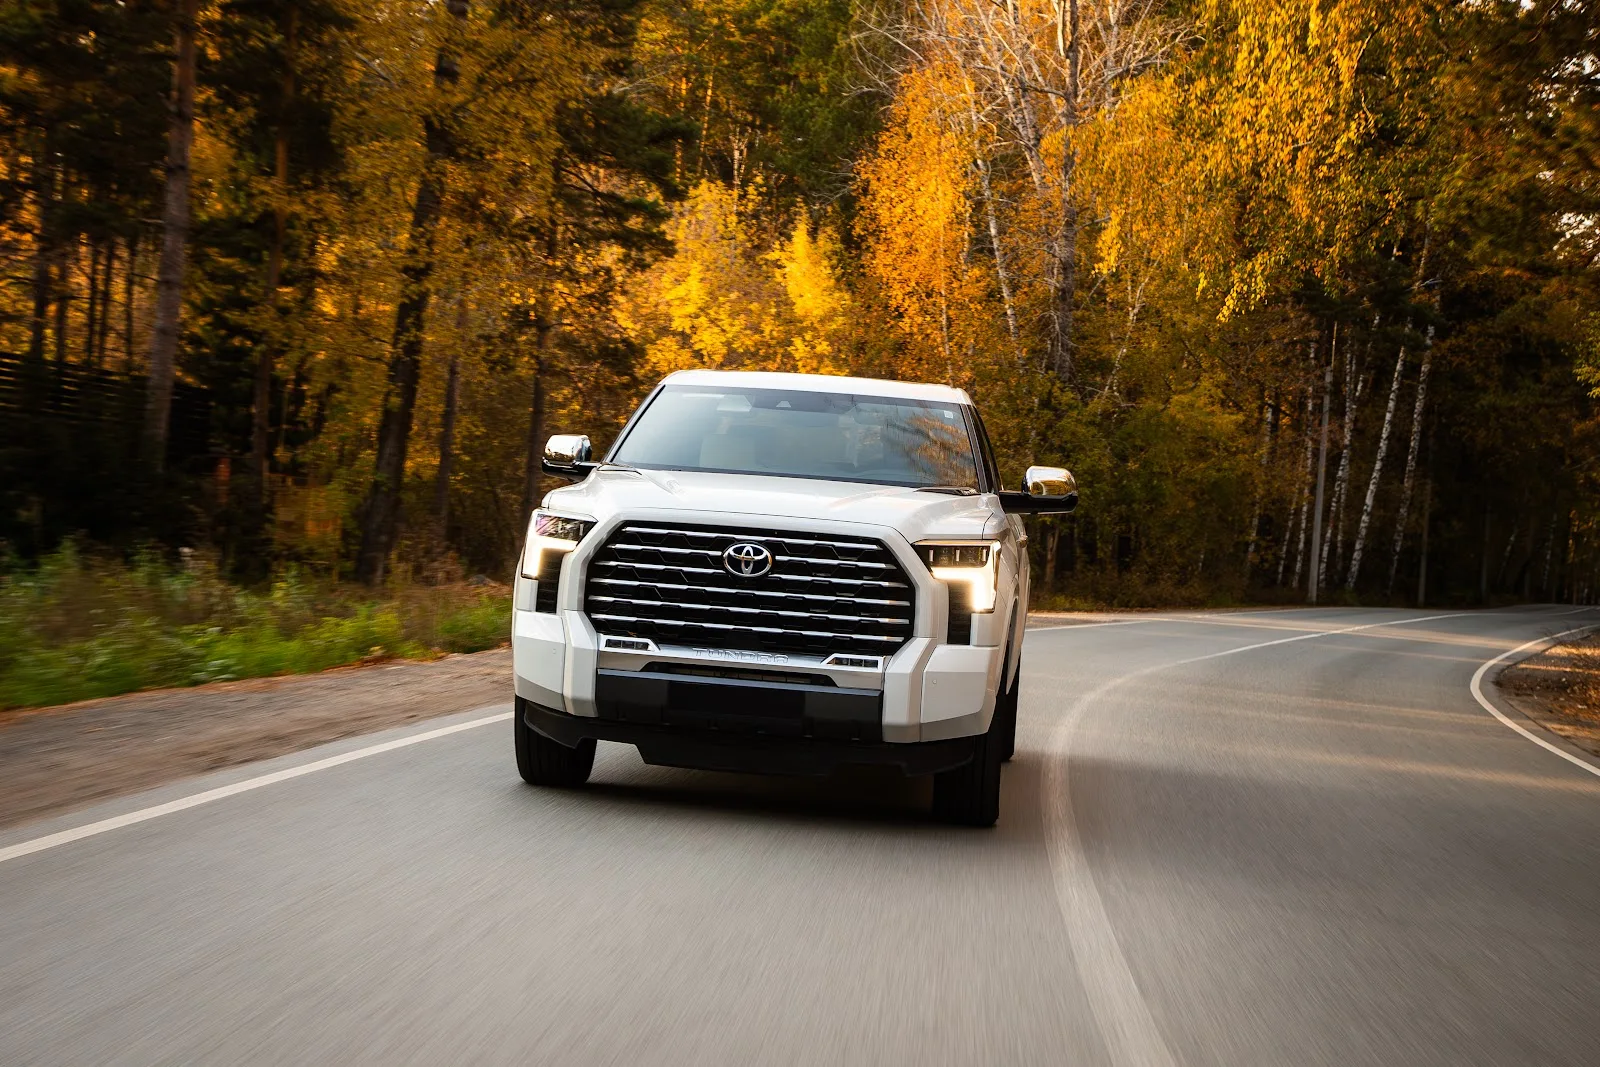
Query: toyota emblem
point(746, 559)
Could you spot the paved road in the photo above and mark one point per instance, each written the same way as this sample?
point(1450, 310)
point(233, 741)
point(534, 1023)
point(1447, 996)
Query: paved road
point(1238, 839)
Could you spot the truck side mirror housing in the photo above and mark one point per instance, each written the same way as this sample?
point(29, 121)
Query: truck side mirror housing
point(566, 455)
point(1050, 490)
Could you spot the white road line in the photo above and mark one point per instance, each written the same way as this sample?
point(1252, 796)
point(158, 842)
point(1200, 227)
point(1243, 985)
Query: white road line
point(117, 822)
point(1477, 692)
point(1124, 1018)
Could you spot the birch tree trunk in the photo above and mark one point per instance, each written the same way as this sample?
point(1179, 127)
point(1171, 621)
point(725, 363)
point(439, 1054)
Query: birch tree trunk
point(993, 221)
point(1341, 478)
point(174, 242)
point(1377, 471)
point(999, 251)
point(1317, 548)
point(1305, 480)
point(1064, 298)
point(1411, 457)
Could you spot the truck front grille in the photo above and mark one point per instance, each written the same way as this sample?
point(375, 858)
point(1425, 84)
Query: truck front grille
point(824, 593)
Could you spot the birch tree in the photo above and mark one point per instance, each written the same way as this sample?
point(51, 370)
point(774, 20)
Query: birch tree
point(1377, 470)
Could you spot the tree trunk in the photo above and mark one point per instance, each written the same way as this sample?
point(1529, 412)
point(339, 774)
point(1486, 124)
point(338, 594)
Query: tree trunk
point(1483, 566)
point(43, 257)
point(91, 317)
point(1549, 554)
point(1422, 567)
point(99, 342)
point(1051, 534)
point(130, 280)
point(447, 425)
point(1305, 478)
point(63, 291)
point(535, 451)
point(1064, 298)
point(174, 242)
point(1411, 456)
point(381, 511)
point(266, 352)
point(995, 244)
point(1377, 471)
point(1253, 531)
point(1313, 577)
point(1341, 479)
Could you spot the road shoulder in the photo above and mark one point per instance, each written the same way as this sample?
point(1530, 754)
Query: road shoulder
point(54, 760)
point(1559, 690)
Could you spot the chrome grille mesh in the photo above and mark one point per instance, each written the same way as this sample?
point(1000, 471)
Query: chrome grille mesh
point(824, 594)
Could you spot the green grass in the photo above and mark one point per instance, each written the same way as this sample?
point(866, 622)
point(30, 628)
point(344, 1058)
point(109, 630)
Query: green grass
point(75, 627)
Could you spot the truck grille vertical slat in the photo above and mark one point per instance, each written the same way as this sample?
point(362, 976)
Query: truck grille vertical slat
point(825, 594)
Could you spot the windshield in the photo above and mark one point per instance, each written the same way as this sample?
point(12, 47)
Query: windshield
point(801, 434)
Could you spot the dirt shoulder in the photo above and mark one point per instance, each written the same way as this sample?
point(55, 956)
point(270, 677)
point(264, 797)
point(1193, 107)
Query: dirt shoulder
point(1560, 690)
point(55, 759)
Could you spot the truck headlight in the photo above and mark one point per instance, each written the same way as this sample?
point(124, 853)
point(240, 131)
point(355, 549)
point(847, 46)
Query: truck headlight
point(550, 538)
point(968, 570)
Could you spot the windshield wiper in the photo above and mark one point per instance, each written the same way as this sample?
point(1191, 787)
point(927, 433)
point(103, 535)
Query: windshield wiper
point(948, 490)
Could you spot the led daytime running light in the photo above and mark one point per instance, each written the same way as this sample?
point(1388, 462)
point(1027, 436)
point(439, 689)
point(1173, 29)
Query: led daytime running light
point(970, 563)
point(549, 532)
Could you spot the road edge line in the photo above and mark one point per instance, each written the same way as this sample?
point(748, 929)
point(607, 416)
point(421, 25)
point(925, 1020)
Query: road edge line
point(1504, 660)
point(156, 811)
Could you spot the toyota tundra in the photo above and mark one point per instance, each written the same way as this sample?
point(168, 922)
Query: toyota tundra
point(781, 573)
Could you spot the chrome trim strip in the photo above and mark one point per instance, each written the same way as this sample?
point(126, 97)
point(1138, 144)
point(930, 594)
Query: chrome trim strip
point(718, 570)
point(736, 535)
point(752, 629)
point(754, 592)
point(716, 554)
point(747, 611)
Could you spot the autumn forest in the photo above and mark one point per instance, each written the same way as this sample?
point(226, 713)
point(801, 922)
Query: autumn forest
point(1305, 292)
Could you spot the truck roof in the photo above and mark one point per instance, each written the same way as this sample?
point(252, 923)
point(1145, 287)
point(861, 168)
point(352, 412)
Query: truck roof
point(821, 383)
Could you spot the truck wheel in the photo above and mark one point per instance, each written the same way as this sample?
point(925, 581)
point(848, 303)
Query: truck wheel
point(969, 795)
point(542, 761)
point(1005, 713)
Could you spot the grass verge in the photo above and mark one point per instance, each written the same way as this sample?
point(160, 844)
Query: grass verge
point(77, 628)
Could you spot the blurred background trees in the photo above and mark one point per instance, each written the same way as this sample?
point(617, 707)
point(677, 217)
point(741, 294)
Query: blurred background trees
point(1153, 239)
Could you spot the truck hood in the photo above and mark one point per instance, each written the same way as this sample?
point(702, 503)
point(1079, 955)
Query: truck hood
point(721, 498)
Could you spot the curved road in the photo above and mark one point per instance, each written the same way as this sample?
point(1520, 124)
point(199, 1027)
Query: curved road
point(1257, 838)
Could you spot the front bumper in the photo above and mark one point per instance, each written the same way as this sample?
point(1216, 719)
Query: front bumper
point(715, 750)
point(926, 691)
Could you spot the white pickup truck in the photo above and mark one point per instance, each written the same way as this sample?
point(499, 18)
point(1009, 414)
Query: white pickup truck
point(781, 573)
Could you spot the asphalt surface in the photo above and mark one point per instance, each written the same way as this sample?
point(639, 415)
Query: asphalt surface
point(1226, 839)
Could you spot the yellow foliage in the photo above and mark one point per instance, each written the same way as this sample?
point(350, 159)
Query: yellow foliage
point(722, 301)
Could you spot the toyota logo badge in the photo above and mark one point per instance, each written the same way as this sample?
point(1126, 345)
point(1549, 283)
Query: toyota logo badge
point(746, 559)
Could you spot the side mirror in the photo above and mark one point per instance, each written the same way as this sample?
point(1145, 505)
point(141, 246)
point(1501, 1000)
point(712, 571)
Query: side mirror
point(1050, 490)
point(566, 455)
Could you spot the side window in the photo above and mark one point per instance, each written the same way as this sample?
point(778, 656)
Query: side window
point(987, 450)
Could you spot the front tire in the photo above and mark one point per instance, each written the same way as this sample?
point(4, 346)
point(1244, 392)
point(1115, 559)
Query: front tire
point(969, 795)
point(1005, 713)
point(542, 761)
